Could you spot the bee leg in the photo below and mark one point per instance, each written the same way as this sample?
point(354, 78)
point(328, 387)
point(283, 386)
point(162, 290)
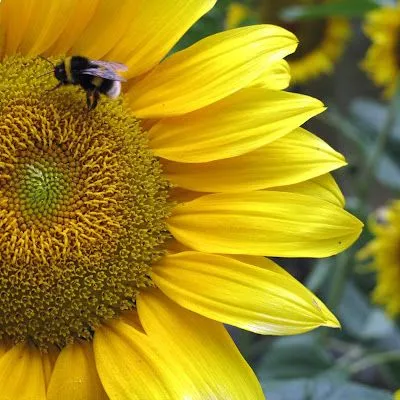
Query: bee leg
point(92, 98)
point(55, 87)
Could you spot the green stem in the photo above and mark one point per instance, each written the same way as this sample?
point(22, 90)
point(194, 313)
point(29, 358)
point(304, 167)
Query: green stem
point(380, 144)
point(335, 119)
point(374, 359)
point(342, 271)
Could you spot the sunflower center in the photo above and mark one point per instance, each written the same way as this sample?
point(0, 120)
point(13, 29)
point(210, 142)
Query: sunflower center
point(309, 32)
point(83, 205)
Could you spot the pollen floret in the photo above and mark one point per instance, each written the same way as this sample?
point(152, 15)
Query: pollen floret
point(82, 209)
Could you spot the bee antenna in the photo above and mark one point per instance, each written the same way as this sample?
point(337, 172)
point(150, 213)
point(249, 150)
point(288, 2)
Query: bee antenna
point(46, 73)
point(46, 59)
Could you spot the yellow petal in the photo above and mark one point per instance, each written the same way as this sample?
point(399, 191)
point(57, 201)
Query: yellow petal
point(264, 223)
point(367, 251)
point(245, 121)
point(34, 25)
point(81, 16)
point(106, 28)
point(324, 187)
point(2, 30)
point(208, 71)
point(21, 374)
point(180, 195)
point(129, 365)
point(173, 246)
point(4, 347)
point(154, 29)
point(293, 158)
point(49, 360)
point(14, 19)
point(261, 300)
point(74, 376)
point(202, 346)
point(276, 76)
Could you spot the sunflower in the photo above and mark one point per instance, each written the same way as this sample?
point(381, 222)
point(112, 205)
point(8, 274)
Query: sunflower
point(321, 44)
point(384, 251)
point(382, 61)
point(129, 234)
point(237, 14)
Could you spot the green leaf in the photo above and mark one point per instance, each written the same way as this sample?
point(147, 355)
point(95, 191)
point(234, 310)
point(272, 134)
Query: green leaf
point(293, 357)
point(392, 373)
point(343, 8)
point(387, 171)
point(346, 127)
point(370, 118)
point(320, 273)
point(372, 115)
point(360, 319)
point(377, 325)
point(353, 311)
point(326, 388)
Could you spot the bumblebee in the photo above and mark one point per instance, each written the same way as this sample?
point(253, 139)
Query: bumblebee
point(94, 76)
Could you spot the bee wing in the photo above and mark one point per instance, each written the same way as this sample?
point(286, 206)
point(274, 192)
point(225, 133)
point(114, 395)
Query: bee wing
point(109, 65)
point(103, 73)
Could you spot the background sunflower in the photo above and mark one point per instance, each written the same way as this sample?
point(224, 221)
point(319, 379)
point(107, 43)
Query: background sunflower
point(322, 41)
point(382, 61)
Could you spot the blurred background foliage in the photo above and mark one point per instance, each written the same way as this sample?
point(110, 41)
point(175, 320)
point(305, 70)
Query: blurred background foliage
point(362, 360)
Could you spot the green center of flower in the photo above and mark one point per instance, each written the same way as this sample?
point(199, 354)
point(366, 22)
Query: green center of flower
point(83, 204)
point(41, 188)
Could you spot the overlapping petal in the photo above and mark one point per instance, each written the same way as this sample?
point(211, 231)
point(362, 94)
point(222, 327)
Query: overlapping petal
point(4, 347)
point(32, 26)
point(324, 187)
point(21, 374)
point(48, 360)
point(276, 76)
point(11, 33)
point(294, 158)
point(261, 300)
point(139, 36)
point(204, 349)
point(243, 122)
point(95, 41)
point(208, 71)
point(268, 223)
point(79, 382)
point(129, 365)
point(82, 16)
point(149, 37)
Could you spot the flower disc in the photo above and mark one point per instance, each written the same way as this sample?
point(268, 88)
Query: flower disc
point(82, 205)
